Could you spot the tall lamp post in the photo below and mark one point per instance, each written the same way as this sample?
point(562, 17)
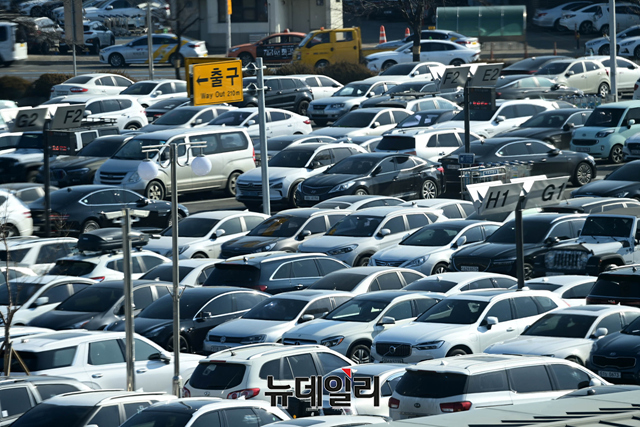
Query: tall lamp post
point(148, 170)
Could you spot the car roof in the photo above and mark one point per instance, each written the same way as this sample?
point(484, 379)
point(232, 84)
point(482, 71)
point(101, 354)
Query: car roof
point(192, 405)
point(164, 135)
point(388, 296)
point(46, 279)
point(562, 280)
point(309, 294)
point(374, 368)
point(222, 214)
point(388, 211)
point(120, 283)
point(247, 352)
point(594, 310)
point(621, 104)
point(476, 363)
point(363, 271)
point(461, 276)
point(628, 211)
point(211, 291)
point(97, 397)
point(60, 339)
point(14, 242)
point(305, 212)
point(259, 258)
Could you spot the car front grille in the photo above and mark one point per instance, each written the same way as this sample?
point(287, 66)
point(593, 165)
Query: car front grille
point(319, 107)
point(315, 190)
point(382, 263)
point(389, 349)
point(112, 178)
point(567, 260)
point(471, 263)
point(584, 141)
point(249, 187)
point(291, 341)
point(230, 340)
point(617, 362)
point(633, 145)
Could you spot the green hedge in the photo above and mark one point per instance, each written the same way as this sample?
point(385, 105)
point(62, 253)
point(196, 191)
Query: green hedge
point(41, 88)
point(13, 87)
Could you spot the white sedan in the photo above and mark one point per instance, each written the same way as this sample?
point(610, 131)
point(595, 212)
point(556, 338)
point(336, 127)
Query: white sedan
point(365, 121)
point(321, 86)
point(442, 51)
point(96, 36)
point(600, 45)
point(551, 17)
point(164, 46)
point(92, 84)
point(279, 122)
point(15, 216)
point(573, 289)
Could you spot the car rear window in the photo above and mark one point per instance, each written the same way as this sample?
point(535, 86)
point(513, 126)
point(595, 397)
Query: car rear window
point(16, 255)
point(430, 286)
point(616, 286)
point(217, 376)
point(338, 282)
point(429, 384)
point(394, 143)
point(72, 268)
point(244, 276)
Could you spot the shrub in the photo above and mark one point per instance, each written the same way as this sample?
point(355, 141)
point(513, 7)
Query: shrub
point(42, 86)
point(346, 72)
point(295, 68)
point(12, 87)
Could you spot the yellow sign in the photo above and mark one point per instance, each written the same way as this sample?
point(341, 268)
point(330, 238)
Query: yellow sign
point(229, 7)
point(200, 60)
point(217, 82)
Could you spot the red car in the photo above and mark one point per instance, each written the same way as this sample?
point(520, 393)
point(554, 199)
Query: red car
point(276, 48)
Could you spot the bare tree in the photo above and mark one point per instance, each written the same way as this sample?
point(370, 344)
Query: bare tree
point(183, 17)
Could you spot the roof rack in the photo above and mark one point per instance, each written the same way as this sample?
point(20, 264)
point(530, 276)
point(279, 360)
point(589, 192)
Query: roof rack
point(107, 240)
point(273, 350)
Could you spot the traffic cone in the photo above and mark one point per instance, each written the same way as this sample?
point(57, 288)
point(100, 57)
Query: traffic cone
point(407, 33)
point(383, 35)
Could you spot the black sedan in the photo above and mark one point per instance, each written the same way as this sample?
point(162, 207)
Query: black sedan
point(81, 208)
point(383, 174)
point(623, 182)
point(554, 126)
point(423, 119)
point(162, 107)
point(526, 87)
point(200, 310)
point(547, 159)
point(529, 65)
point(399, 95)
point(615, 357)
point(80, 169)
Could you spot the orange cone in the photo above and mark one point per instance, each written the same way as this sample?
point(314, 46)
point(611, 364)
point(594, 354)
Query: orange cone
point(407, 33)
point(383, 35)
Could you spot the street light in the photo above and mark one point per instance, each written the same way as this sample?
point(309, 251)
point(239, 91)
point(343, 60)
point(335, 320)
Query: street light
point(148, 170)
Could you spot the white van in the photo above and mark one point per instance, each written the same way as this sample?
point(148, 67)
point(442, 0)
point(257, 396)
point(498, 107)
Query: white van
point(13, 45)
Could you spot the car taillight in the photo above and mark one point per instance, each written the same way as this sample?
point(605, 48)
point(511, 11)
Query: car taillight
point(254, 155)
point(247, 393)
point(98, 279)
point(78, 89)
point(53, 90)
point(498, 93)
point(607, 70)
point(192, 45)
point(440, 169)
point(540, 15)
point(394, 403)
point(157, 115)
point(27, 214)
point(635, 87)
point(261, 288)
point(307, 122)
point(186, 392)
point(455, 406)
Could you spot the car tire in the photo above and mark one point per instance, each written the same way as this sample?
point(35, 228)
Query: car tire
point(387, 64)
point(604, 50)
point(440, 268)
point(184, 344)
point(230, 189)
point(89, 225)
point(586, 28)
point(603, 89)
point(293, 200)
point(528, 271)
point(321, 122)
point(246, 58)
point(615, 155)
point(557, 26)
point(31, 176)
point(361, 192)
point(199, 255)
point(116, 60)
point(8, 230)
point(457, 62)
point(575, 359)
point(96, 47)
point(132, 126)
point(457, 351)
point(303, 107)
point(428, 189)
point(155, 190)
point(322, 63)
point(583, 174)
point(360, 353)
point(362, 261)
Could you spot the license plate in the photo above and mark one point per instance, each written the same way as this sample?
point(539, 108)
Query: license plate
point(469, 268)
point(635, 151)
point(312, 198)
point(453, 166)
point(396, 360)
point(610, 374)
point(251, 193)
point(583, 149)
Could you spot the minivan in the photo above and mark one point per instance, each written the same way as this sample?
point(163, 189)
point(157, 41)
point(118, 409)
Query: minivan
point(429, 144)
point(13, 44)
point(229, 150)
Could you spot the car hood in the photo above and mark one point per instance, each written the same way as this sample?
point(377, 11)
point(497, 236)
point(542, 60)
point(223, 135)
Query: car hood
point(26, 155)
point(606, 188)
point(155, 128)
point(380, 55)
point(327, 179)
point(320, 329)
point(337, 99)
point(240, 46)
point(622, 344)
point(120, 165)
point(495, 250)
point(406, 252)
point(164, 243)
point(596, 244)
point(244, 327)
point(416, 332)
point(473, 126)
point(69, 162)
point(57, 319)
point(537, 345)
point(275, 173)
point(326, 243)
point(142, 325)
point(538, 133)
point(250, 242)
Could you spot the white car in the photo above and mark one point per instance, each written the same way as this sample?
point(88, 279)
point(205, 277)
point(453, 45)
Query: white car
point(568, 333)
point(13, 272)
point(113, 8)
point(125, 111)
point(92, 84)
point(35, 295)
point(186, 117)
point(321, 86)
point(429, 249)
point(442, 51)
point(355, 203)
point(96, 36)
point(627, 73)
point(15, 216)
point(595, 18)
point(192, 272)
point(550, 18)
point(584, 74)
point(455, 282)
point(630, 47)
point(573, 289)
point(509, 115)
point(601, 45)
point(164, 46)
point(424, 142)
point(148, 92)
point(464, 324)
point(201, 235)
point(350, 328)
point(97, 359)
point(31, 7)
point(279, 122)
point(39, 254)
point(365, 121)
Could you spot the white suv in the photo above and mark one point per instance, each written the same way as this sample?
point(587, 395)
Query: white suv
point(241, 372)
point(39, 254)
point(125, 110)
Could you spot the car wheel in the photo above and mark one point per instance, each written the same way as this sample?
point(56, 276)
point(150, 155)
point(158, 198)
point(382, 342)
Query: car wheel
point(363, 261)
point(112, 41)
point(132, 126)
point(428, 189)
point(456, 352)
point(293, 197)
point(322, 63)
point(575, 359)
point(199, 255)
point(116, 60)
point(173, 60)
point(45, 48)
point(582, 175)
point(184, 344)
point(604, 50)
point(170, 221)
point(303, 107)
point(586, 27)
point(361, 192)
point(457, 62)
point(154, 190)
point(387, 64)
point(96, 47)
point(604, 30)
point(246, 58)
point(557, 26)
point(89, 225)
point(31, 176)
point(231, 184)
point(8, 230)
point(615, 156)
point(528, 271)
point(440, 268)
point(320, 122)
point(603, 89)
point(360, 353)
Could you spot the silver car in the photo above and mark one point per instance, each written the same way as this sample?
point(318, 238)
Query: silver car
point(360, 280)
point(186, 117)
point(589, 76)
point(455, 283)
point(365, 121)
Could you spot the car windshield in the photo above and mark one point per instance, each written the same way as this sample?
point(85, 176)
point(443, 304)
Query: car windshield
point(275, 144)
point(353, 89)
point(549, 119)
point(356, 225)
point(132, 149)
point(277, 309)
point(149, 418)
point(607, 226)
point(360, 310)
point(297, 158)
point(92, 299)
point(104, 146)
point(454, 311)
point(20, 292)
point(278, 226)
point(404, 87)
point(55, 415)
point(605, 117)
point(553, 68)
point(162, 308)
point(164, 273)
point(31, 140)
point(231, 118)
point(632, 328)
point(433, 235)
point(420, 119)
point(561, 326)
point(430, 285)
point(398, 70)
point(542, 286)
point(176, 117)
point(628, 172)
point(338, 282)
point(139, 89)
point(355, 119)
point(533, 233)
point(193, 227)
point(354, 165)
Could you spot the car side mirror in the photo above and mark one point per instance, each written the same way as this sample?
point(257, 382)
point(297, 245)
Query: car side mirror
point(600, 332)
point(335, 85)
point(630, 123)
point(555, 86)
point(376, 171)
point(569, 74)
point(387, 320)
point(157, 93)
point(568, 126)
point(41, 301)
point(196, 122)
point(631, 67)
point(165, 357)
point(203, 315)
point(304, 234)
point(110, 7)
point(375, 125)
point(306, 318)
point(87, 113)
point(595, 382)
point(384, 232)
point(490, 321)
point(500, 119)
point(315, 164)
point(251, 123)
point(461, 241)
point(219, 233)
point(370, 94)
point(120, 311)
point(554, 152)
point(142, 202)
point(550, 241)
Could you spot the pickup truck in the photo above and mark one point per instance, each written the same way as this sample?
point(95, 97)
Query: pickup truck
point(606, 240)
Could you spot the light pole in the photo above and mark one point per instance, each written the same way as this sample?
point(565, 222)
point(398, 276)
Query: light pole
point(148, 170)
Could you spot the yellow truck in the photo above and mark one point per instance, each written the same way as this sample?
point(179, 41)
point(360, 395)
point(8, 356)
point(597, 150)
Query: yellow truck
point(323, 47)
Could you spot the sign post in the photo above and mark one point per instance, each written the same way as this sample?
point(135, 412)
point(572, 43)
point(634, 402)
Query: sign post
point(216, 82)
point(73, 28)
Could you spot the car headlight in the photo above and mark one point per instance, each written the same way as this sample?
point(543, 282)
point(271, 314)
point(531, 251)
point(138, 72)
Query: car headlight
point(234, 49)
point(79, 171)
point(604, 133)
point(504, 261)
point(342, 250)
point(134, 177)
point(627, 43)
point(370, 58)
point(182, 249)
point(80, 325)
point(276, 184)
point(339, 105)
point(621, 194)
point(155, 332)
point(343, 187)
point(265, 248)
point(416, 262)
point(430, 345)
point(332, 341)
point(254, 339)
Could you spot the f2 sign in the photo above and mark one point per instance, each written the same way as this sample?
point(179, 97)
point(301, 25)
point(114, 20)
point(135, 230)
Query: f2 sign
point(454, 77)
point(68, 117)
point(30, 120)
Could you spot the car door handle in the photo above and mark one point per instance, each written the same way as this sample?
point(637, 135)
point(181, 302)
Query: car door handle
point(141, 370)
point(299, 286)
point(510, 329)
point(96, 376)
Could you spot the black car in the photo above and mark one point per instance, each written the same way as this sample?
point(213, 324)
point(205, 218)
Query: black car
point(279, 143)
point(99, 305)
point(283, 92)
point(162, 107)
point(529, 65)
point(80, 169)
point(622, 182)
point(81, 208)
point(424, 119)
point(533, 87)
point(620, 285)
point(554, 126)
point(383, 174)
point(497, 254)
point(399, 95)
point(200, 310)
point(589, 205)
point(546, 159)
